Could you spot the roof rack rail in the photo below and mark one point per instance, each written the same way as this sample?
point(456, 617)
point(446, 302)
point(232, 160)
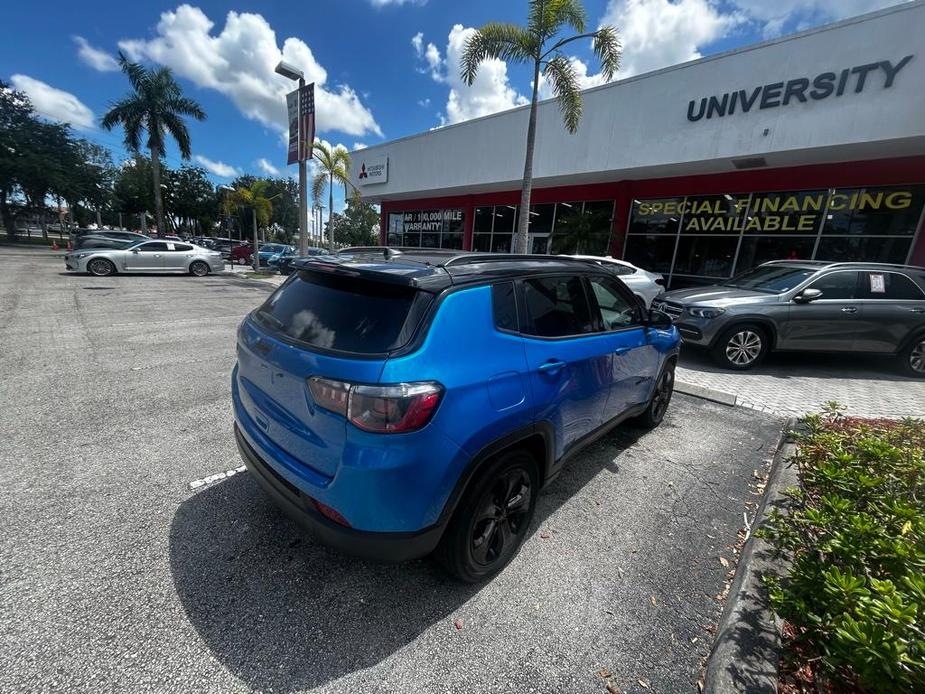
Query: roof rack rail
point(844, 263)
point(497, 257)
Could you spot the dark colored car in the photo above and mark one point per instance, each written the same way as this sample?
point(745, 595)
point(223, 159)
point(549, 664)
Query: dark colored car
point(398, 403)
point(240, 254)
point(799, 305)
point(283, 261)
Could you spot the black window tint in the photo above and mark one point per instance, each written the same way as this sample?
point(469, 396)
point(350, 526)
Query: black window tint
point(889, 285)
point(556, 307)
point(503, 306)
point(346, 314)
point(838, 285)
point(153, 247)
point(182, 247)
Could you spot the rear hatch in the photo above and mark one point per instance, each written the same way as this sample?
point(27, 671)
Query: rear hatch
point(319, 324)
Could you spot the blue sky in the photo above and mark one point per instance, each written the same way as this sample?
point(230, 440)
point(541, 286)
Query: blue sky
point(383, 68)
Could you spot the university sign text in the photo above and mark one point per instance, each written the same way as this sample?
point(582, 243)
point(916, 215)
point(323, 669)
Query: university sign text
point(800, 89)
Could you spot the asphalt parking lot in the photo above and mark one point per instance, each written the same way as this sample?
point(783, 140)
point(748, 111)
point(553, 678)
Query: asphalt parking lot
point(121, 572)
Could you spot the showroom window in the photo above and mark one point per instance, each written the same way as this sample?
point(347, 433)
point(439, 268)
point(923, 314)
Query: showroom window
point(436, 228)
point(699, 239)
point(564, 227)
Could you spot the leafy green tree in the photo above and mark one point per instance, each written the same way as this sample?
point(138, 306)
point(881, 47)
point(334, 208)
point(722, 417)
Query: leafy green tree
point(133, 193)
point(539, 45)
point(285, 194)
point(332, 166)
point(253, 206)
point(156, 105)
point(357, 226)
point(192, 197)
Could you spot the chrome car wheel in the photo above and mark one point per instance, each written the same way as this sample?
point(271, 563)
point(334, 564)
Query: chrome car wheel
point(917, 358)
point(743, 348)
point(100, 267)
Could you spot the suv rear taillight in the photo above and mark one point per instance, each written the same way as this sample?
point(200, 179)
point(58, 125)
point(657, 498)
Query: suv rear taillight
point(388, 409)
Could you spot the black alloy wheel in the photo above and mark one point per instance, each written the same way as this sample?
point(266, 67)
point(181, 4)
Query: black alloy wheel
point(492, 519)
point(661, 397)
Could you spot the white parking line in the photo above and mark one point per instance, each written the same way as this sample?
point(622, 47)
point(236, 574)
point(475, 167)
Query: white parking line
point(211, 479)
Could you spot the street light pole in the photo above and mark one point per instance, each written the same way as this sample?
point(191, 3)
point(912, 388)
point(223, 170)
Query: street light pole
point(290, 72)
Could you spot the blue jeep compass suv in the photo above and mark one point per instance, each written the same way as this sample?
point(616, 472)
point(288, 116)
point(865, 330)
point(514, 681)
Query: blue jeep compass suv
point(401, 401)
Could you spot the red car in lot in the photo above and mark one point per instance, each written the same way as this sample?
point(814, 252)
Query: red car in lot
point(241, 254)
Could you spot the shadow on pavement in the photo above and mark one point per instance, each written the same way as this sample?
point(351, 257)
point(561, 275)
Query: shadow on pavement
point(786, 365)
point(284, 613)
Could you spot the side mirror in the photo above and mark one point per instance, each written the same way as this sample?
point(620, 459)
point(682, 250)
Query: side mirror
point(807, 295)
point(658, 319)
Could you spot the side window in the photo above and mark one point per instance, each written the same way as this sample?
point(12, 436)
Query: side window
point(153, 247)
point(838, 285)
point(621, 270)
point(556, 307)
point(503, 306)
point(182, 247)
point(616, 311)
point(889, 285)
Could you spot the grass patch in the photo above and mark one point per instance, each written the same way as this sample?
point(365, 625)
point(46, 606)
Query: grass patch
point(258, 275)
point(854, 599)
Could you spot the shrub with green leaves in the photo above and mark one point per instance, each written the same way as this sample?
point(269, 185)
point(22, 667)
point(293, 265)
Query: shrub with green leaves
point(855, 533)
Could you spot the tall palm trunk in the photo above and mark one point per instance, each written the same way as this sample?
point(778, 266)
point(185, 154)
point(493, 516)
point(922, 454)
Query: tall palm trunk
point(331, 212)
point(521, 239)
point(158, 201)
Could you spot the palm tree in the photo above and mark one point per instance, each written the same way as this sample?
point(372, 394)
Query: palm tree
point(155, 105)
point(252, 198)
point(510, 42)
point(333, 167)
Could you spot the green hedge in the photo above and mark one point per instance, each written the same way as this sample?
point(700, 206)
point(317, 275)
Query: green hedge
point(855, 532)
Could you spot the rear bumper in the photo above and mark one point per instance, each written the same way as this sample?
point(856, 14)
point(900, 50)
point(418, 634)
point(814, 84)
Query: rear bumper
point(393, 547)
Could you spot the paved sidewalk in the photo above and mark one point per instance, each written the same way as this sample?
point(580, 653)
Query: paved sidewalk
point(794, 384)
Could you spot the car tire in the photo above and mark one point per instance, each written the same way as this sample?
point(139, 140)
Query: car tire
point(242, 260)
point(199, 269)
point(912, 358)
point(741, 347)
point(484, 535)
point(100, 267)
point(661, 397)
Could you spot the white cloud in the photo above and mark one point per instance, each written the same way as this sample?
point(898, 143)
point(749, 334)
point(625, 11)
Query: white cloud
point(424, 103)
point(239, 61)
point(94, 57)
point(264, 165)
point(218, 168)
point(658, 33)
point(55, 104)
point(585, 81)
point(490, 92)
point(418, 42)
point(803, 13)
point(359, 145)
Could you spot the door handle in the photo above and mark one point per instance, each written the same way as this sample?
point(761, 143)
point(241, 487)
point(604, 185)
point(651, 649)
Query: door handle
point(849, 309)
point(621, 350)
point(551, 366)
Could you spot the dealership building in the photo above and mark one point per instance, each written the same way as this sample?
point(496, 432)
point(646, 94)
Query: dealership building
point(810, 146)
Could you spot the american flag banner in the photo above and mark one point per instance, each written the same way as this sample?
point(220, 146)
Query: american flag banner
point(306, 121)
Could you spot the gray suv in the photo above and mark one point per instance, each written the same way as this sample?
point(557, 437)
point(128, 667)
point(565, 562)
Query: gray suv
point(803, 305)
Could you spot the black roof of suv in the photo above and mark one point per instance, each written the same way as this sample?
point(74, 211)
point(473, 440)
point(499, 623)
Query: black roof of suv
point(434, 269)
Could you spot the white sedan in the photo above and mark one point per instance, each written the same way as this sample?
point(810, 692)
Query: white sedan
point(147, 256)
point(644, 284)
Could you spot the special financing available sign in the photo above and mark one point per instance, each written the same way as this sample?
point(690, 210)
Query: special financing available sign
point(375, 170)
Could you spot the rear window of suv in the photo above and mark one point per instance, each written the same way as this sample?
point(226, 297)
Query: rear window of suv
point(343, 314)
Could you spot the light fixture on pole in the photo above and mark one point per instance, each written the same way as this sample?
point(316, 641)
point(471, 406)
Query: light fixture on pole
point(293, 73)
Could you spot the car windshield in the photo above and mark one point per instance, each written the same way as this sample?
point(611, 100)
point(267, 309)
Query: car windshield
point(772, 279)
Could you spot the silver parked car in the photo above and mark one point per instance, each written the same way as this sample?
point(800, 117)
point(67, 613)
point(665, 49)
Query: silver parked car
point(806, 305)
point(147, 256)
point(644, 284)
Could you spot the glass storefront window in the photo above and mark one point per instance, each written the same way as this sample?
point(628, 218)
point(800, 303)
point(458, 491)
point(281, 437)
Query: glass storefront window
point(793, 212)
point(760, 249)
point(713, 214)
point(437, 228)
point(583, 228)
point(652, 252)
point(660, 216)
point(481, 224)
point(708, 256)
point(893, 211)
point(541, 217)
point(868, 248)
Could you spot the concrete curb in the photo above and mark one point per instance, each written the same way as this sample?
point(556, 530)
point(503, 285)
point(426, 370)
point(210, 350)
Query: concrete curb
point(746, 651)
point(720, 396)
